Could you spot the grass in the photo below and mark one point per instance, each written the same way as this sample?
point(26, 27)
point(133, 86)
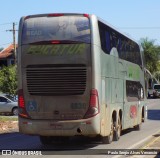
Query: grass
point(8, 118)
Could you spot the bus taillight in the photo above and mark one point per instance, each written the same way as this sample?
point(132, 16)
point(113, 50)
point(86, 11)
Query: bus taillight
point(21, 99)
point(55, 15)
point(93, 104)
point(55, 42)
point(21, 104)
point(86, 15)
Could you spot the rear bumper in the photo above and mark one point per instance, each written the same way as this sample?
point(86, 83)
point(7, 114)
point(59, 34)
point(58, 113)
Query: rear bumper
point(88, 127)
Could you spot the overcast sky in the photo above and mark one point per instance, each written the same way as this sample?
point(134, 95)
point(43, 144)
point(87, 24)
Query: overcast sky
point(138, 18)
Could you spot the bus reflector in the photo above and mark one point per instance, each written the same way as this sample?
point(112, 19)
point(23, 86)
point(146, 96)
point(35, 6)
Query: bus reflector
point(21, 104)
point(86, 15)
point(93, 104)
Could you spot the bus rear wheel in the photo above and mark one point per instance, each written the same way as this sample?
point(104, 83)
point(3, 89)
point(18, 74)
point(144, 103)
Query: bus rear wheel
point(117, 132)
point(138, 127)
point(108, 139)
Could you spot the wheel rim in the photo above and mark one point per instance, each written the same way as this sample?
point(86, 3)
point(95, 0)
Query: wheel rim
point(15, 111)
point(119, 128)
point(112, 131)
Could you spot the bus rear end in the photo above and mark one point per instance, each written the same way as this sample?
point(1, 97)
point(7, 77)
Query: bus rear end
point(56, 97)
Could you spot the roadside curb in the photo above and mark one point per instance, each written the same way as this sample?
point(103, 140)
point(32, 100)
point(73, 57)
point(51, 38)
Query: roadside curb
point(154, 144)
point(151, 142)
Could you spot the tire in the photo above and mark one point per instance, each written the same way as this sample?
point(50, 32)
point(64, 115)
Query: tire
point(108, 139)
point(138, 127)
point(45, 140)
point(118, 128)
point(15, 111)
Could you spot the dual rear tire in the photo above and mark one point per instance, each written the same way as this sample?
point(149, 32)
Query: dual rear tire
point(115, 132)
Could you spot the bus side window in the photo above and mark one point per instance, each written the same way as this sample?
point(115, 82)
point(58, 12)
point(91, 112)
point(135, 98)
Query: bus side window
point(119, 47)
point(134, 91)
point(108, 44)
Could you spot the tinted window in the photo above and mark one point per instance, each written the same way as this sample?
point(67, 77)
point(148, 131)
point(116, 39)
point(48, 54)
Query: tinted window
point(2, 99)
point(127, 49)
point(10, 97)
point(37, 29)
point(134, 91)
point(157, 87)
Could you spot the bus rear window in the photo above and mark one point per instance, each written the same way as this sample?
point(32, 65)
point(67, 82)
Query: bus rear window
point(70, 28)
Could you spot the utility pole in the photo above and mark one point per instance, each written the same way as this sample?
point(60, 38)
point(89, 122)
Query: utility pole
point(13, 30)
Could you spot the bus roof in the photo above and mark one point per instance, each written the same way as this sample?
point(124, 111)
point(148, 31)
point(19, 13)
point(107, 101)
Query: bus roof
point(55, 15)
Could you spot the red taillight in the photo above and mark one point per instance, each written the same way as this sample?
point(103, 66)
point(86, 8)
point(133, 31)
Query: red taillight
point(21, 99)
point(93, 104)
point(27, 17)
point(56, 14)
point(21, 104)
point(55, 42)
point(93, 98)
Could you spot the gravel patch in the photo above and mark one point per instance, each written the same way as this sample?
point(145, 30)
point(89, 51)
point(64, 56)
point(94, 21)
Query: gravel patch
point(8, 126)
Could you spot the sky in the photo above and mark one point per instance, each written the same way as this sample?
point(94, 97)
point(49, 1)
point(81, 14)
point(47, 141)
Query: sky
point(137, 18)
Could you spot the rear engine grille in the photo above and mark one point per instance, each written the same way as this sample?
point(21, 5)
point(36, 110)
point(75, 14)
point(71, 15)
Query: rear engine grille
point(54, 80)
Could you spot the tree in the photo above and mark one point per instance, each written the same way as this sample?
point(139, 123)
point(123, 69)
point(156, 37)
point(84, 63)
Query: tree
point(151, 52)
point(8, 80)
point(1, 49)
point(157, 75)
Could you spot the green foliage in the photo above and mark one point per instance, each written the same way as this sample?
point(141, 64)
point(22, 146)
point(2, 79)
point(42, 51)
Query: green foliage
point(8, 80)
point(151, 52)
point(6, 118)
point(157, 75)
point(1, 49)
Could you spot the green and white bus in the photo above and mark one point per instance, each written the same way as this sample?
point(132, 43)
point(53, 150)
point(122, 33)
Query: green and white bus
point(78, 76)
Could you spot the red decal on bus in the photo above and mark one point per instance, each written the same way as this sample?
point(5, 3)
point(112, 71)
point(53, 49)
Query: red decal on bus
point(133, 111)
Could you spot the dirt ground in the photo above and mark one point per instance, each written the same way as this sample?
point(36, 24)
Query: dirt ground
point(8, 126)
